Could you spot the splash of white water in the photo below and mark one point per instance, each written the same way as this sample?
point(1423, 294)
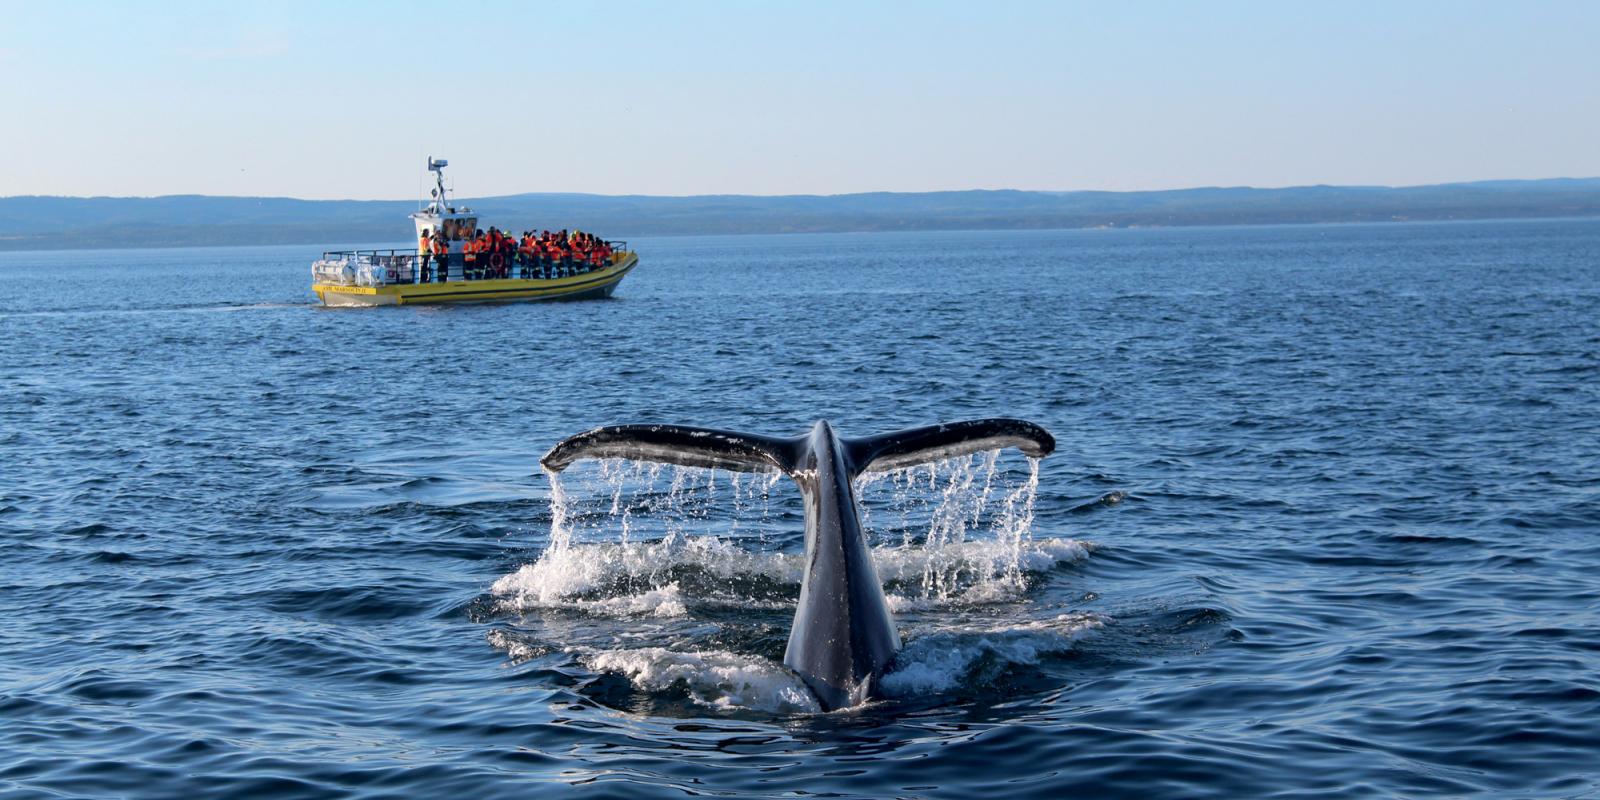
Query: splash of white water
point(964, 537)
point(953, 533)
point(717, 679)
point(560, 526)
point(938, 530)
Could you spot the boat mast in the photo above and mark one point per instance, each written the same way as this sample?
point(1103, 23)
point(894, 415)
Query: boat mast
point(436, 166)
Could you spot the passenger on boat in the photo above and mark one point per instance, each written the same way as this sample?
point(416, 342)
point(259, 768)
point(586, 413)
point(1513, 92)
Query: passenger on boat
point(560, 258)
point(475, 256)
point(424, 250)
point(542, 255)
point(507, 253)
point(497, 253)
point(441, 256)
point(525, 257)
point(491, 249)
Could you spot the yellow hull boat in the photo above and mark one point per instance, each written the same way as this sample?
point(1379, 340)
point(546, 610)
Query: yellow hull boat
point(582, 286)
point(402, 277)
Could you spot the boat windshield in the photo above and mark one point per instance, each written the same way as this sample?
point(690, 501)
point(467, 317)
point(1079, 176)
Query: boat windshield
point(458, 228)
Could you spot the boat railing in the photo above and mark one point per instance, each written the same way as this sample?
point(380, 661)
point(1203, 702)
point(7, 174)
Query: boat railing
point(391, 266)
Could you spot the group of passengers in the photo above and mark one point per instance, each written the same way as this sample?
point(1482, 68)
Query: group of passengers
point(497, 254)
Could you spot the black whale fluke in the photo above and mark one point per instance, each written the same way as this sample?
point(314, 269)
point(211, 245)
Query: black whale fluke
point(843, 636)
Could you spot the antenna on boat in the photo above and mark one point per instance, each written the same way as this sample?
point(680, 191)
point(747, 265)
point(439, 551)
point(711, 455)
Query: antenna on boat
point(436, 166)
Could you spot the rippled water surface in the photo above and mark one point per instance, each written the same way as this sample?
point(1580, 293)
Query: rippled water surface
point(1324, 521)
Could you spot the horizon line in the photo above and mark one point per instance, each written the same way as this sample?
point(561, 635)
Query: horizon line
point(1474, 182)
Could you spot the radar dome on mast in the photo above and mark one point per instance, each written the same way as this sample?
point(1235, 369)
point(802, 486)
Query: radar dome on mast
point(436, 166)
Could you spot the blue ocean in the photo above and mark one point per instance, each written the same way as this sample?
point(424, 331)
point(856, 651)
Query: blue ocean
point(1323, 521)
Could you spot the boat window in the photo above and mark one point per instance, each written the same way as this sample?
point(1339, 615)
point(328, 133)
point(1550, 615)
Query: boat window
point(456, 229)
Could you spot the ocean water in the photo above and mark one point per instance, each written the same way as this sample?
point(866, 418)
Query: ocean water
point(1324, 521)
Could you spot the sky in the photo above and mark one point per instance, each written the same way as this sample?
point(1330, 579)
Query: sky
point(347, 99)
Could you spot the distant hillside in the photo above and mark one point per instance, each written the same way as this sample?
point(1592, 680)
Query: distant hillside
point(194, 220)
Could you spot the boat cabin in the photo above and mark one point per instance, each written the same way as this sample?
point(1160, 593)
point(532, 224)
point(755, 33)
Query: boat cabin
point(457, 223)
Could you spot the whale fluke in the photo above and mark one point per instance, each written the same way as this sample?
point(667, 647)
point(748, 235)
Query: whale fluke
point(907, 448)
point(843, 637)
point(675, 444)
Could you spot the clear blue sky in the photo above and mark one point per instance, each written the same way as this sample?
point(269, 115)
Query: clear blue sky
point(345, 99)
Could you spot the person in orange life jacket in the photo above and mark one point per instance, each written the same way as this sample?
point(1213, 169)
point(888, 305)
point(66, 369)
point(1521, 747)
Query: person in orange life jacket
point(441, 255)
point(558, 258)
point(541, 254)
point(424, 252)
point(525, 254)
point(473, 249)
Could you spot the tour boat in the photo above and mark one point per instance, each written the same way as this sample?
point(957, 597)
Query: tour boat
point(397, 277)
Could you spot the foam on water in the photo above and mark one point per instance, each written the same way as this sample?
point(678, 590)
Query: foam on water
point(668, 601)
point(580, 576)
point(643, 577)
point(717, 679)
point(968, 572)
point(947, 658)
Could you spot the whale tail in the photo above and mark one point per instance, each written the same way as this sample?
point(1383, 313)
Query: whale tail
point(744, 452)
point(843, 636)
